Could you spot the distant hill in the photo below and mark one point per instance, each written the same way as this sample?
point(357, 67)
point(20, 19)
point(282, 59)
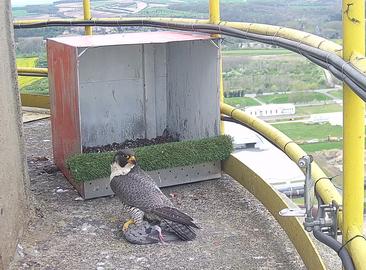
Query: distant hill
point(321, 17)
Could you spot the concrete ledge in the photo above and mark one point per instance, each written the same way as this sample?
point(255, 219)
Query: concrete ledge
point(274, 202)
point(13, 175)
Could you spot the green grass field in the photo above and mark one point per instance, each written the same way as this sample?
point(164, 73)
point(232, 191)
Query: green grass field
point(300, 97)
point(241, 101)
point(302, 131)
point(326, 108)
point(39, 87)
point(27, 62)
point(336, 93)
point(254, 52)
point(313, 147)
point(270, 73)
point(165, 12)
point(275, 98)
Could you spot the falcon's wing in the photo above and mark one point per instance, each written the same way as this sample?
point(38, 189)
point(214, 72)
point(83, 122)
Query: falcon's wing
point(139, 190)
point(173, 214)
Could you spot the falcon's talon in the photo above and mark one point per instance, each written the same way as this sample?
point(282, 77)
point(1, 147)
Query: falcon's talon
point(126, 224)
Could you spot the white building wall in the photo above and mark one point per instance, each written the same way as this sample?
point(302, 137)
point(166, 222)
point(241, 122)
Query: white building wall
point(271, 110)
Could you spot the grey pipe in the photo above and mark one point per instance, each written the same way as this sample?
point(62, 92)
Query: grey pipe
point(355, 77)
point(330, 241)
point(336, 246)
point(318, 234)
point(342, 66)
point(361, 93)
point(32, 74)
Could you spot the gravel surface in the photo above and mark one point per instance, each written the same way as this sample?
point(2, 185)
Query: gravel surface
point(66, 232)
point(165, 138)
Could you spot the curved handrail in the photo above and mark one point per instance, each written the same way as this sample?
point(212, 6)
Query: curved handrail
point(297, 41)
point(324, 187)
point(255, 28)
point(274, 202)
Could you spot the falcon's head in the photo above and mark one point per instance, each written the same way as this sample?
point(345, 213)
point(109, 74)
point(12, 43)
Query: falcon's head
point(123, 162)
point(124, 157)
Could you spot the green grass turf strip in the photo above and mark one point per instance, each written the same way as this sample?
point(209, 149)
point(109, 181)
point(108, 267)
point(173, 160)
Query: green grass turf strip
point(91, 166)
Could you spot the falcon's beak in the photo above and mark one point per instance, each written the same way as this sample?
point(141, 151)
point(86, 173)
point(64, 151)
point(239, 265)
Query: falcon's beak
point(132, 160)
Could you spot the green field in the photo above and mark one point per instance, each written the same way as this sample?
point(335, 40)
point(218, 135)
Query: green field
point(254, 52)
point(165, 12)
point(241, 101)
point(295, 97)
point(302, 131)
point(27, 62)
point(270, 73)
point(313, 147)
point(39, 87)
point(337, 93)
point(275, 98)
point(326, 108)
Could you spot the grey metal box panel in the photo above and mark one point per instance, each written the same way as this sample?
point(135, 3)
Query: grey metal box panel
point(163, 178)
point(110, 63)
point(137, 91)
point(111, 112)
point(193, 89)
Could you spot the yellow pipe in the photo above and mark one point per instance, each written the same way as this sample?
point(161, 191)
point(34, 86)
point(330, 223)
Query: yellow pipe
point(357, 247)
point(274, 202)
point(87, 16)
point(288, 33)
point(358, 60)
point(353, 132)
point(38, 101)
point(32, 70)
point(214, 10)
point(222, 125)
point(325, 188)
point(295, 35)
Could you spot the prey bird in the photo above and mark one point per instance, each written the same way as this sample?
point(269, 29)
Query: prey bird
point(141, 197)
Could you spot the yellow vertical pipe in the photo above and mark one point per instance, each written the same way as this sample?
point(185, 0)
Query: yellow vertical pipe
point(87, 16)
point(222, 130)
point(214, 10)
point(353, 126)
point(214, 7)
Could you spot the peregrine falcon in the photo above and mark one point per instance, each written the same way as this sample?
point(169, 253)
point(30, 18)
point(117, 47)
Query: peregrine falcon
point(141, 197)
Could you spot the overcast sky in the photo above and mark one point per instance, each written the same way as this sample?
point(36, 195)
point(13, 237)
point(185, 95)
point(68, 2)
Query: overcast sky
point(20, 3)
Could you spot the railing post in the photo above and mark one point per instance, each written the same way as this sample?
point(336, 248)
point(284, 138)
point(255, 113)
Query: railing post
point(214, 10)
point(353, 124)
point(87, 16)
